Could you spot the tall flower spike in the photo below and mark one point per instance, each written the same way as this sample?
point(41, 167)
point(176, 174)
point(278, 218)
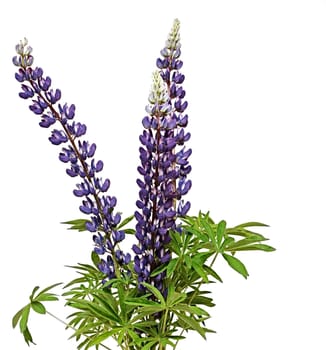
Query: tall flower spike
point(78, 155)
point(164, 165)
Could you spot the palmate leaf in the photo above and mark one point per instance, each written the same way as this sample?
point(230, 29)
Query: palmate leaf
point(35, 304)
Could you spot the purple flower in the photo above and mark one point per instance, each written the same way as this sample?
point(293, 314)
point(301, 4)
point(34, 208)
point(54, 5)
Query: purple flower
point(57, 137)
point(164, 165)
point(78, 155)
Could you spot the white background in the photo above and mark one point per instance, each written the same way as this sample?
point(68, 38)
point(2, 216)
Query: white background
point(256, 86)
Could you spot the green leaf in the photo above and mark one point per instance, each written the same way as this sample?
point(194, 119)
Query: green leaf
point(226, 243)
point(121, 336)
point(236, 264)
point(171, 267)
point(201, 272)
point(125, 221)
point(94, 310)
point(109, 301)
point(47, 297)
point(149, 345)
point(101, 337)
point(191, 309)
point(188, 261)
point(202, 300)
point(208, 228)
point(174, 297)
point(24, 318)
point(213, 273)
point(238, 231)
point(197, 233)
point(95, 258)
point(176, 242)
point(158, 270)
point(38, 307)
point(129, 231)
point(200, 258)
point(27, 336)
point(220, 232)
point(252, 224)
point(33, 292)
point(121, 298)
point(75, 281)
point(78, 224)
point(155, 291)
point(48, 288)
point(144, 311)
point(192, 323)
point(104, 310)
point(140, 301)
point(263, 247)
point(17, 316)
point(244, 242)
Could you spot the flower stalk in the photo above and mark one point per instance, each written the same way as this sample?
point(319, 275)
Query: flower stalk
point(79, 155)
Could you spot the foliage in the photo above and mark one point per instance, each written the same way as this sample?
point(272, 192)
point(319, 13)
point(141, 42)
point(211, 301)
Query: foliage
point(116, 309)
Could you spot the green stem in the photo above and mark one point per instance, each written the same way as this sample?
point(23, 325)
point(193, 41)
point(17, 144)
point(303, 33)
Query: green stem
point(162, 347)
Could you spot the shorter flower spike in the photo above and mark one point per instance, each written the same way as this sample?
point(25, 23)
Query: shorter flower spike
point(78, 154)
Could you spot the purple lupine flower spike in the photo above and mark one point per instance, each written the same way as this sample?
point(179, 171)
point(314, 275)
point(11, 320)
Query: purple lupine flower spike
point(78, 155)
point(164, 165)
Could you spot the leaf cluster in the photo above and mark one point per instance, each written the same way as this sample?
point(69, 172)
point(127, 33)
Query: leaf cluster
point(116, 309)
point(35, 304)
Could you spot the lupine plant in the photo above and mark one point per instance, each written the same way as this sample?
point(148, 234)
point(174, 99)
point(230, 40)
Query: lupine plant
point(152, 297)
